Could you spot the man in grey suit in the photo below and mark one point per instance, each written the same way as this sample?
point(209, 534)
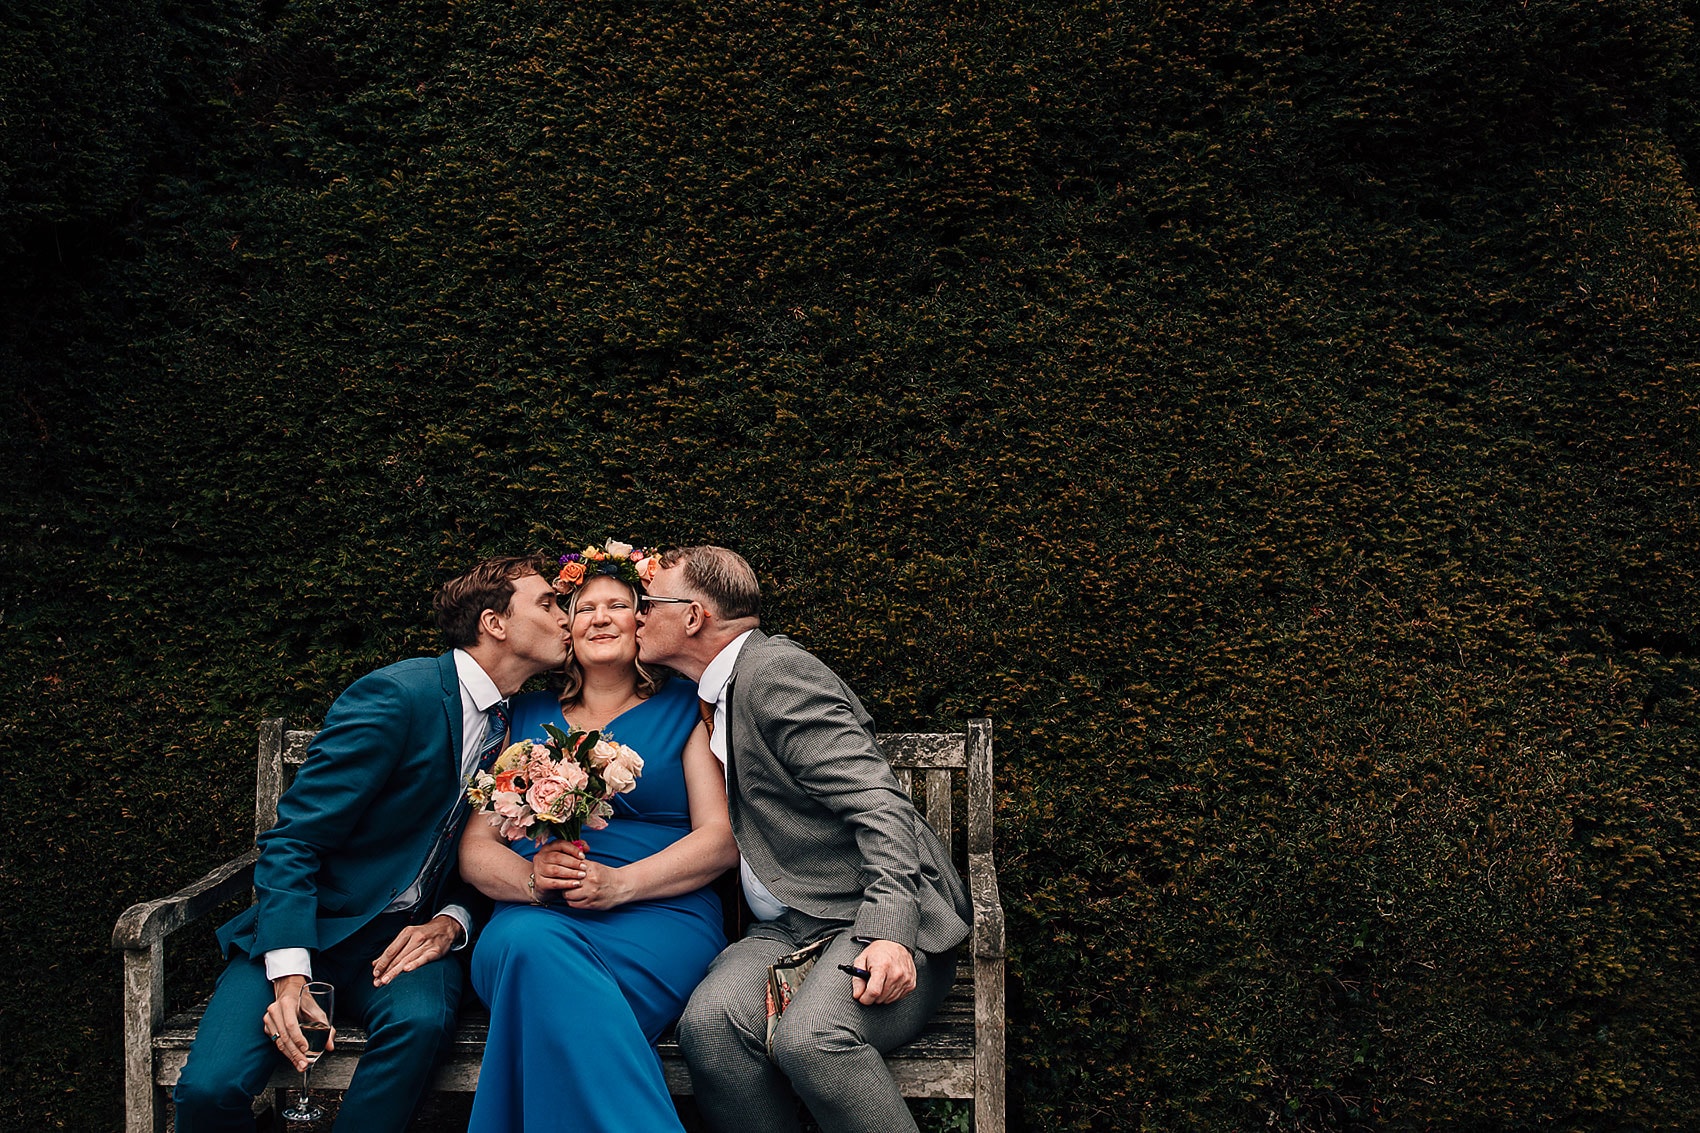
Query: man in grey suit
point(831, 846)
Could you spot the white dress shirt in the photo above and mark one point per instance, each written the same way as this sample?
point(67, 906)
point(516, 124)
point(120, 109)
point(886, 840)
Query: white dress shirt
point(477, 693)
point(712, 689)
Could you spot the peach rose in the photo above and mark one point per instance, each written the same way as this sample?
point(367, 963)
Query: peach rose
point(603, 754)
point(572, 573)
point(623, 770)
point(646, 568)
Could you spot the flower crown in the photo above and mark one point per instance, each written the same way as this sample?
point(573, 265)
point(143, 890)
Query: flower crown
point(629, 564)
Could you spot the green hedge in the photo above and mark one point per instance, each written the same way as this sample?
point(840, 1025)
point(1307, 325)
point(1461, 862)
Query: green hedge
point(1280, 418)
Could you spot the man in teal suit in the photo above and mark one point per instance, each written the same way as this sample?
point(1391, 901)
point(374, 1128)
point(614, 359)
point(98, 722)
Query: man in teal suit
point(357, 883)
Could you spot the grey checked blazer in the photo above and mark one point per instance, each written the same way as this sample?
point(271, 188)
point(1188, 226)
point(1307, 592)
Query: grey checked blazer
point(817, 813)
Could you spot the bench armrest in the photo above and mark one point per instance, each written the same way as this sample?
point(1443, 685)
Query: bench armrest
point(145, 924)
point(988, 907)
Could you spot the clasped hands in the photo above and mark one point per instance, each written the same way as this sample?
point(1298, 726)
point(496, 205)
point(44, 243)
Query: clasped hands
point(561, 867)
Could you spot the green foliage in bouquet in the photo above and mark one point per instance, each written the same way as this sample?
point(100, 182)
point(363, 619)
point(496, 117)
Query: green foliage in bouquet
point(1281, 419)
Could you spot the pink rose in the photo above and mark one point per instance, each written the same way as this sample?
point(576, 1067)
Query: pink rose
point(646, 568)
point(603, 754)
point(545, 793)
point(575, 777)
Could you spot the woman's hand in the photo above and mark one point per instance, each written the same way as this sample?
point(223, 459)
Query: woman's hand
point(601, 887)
point(561, 867)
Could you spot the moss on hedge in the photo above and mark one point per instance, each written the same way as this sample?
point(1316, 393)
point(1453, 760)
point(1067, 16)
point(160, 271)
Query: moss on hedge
point(1280, 419)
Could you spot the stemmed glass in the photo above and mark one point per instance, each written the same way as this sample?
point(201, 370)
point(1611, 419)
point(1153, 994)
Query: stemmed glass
point(318, 1003)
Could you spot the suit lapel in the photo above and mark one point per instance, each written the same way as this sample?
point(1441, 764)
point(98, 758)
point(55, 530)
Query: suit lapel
point(755, 641)
point(451, 709)
point(731, 766)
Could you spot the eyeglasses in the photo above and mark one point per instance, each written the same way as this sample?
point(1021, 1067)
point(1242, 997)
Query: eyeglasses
point(645, 601)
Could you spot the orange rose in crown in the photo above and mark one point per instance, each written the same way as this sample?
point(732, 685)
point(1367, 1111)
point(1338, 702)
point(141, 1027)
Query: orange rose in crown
point(555, 789)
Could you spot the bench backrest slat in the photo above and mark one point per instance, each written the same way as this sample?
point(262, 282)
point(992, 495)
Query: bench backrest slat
point(934, 754)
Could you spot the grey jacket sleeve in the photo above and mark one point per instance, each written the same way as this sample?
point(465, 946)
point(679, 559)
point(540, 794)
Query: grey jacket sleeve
point(812, 725)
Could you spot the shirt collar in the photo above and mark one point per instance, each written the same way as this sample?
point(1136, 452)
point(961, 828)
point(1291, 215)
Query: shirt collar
point(712, 686)
point(476, 681)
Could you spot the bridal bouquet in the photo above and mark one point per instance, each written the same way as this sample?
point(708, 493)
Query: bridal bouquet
point(555, 789)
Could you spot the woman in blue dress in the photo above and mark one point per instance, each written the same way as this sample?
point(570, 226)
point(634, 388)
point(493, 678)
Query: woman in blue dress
point(589, 957)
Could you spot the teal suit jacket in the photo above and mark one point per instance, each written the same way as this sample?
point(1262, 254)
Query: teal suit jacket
point(356, 826)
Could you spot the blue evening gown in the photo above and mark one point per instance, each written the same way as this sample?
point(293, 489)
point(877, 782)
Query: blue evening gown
point(578, 999)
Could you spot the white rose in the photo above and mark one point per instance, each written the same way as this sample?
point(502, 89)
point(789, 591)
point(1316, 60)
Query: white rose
point(603, 754)
point(619, 778)
point(623, 770)
point(617, 549)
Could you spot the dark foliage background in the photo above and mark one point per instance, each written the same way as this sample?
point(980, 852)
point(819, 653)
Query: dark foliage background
point(1281, 418)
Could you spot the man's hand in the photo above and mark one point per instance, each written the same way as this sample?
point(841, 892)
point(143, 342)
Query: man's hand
point(415, 946)
point(891, 973)
point(282, 1021)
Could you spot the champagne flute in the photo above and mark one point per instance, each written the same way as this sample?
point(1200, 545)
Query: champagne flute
point(318, 1002)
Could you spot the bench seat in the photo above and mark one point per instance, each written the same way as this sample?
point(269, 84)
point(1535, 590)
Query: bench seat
point(960, 1054)
point(937, 1063)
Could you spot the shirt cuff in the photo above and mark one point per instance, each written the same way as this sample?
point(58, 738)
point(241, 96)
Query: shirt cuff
point(282, 962)
point(465, 919)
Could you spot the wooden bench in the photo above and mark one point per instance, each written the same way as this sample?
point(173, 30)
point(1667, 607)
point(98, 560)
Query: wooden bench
point(959, 1055)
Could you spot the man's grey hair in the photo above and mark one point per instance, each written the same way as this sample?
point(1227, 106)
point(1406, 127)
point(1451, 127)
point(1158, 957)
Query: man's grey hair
point(721, 577)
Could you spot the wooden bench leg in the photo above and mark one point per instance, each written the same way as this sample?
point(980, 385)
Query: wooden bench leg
point(144, 1011)
point(988, 1045)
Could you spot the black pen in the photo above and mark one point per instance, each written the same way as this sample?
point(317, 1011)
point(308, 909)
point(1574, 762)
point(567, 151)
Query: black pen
point(861, 973)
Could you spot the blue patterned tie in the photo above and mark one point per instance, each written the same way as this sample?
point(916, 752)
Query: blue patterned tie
point(443, 847)
point(495, 732)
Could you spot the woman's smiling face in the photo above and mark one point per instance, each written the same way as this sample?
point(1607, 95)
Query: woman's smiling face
point(604, 623)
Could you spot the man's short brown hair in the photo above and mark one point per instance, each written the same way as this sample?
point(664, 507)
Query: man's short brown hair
point(461, 602)
point(721, 576)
